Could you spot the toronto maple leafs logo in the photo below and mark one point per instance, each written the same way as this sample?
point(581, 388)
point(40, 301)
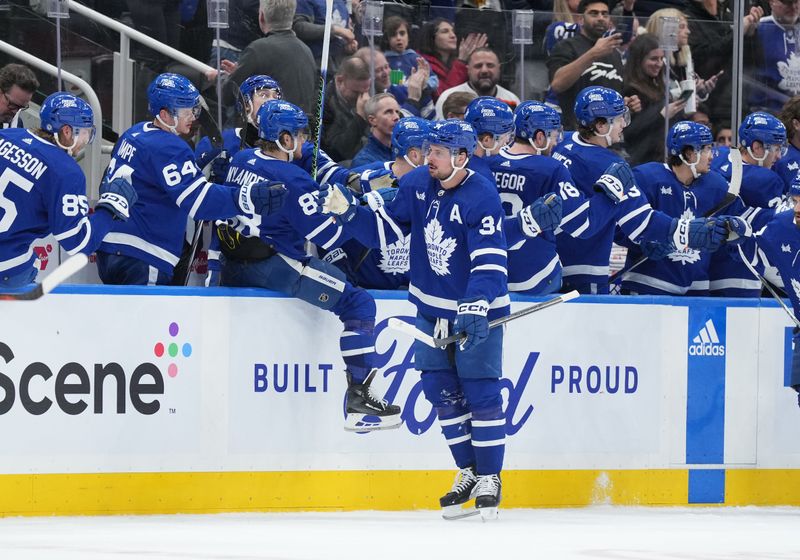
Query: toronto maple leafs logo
point(439, 248)
point(666, 190)
point(685, 256)
point(394, 258)
point(786, 248)
point(796, 287)
point(790, 74)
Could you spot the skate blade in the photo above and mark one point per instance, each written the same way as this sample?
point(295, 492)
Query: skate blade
point(453, 513)
point(488, 513)
point(355, 422)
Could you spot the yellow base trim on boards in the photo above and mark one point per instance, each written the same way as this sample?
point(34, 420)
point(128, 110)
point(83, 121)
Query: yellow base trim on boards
point(216, 492)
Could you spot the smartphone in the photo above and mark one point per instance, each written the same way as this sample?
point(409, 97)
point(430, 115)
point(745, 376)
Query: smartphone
point(610, 32)
point(685, 94)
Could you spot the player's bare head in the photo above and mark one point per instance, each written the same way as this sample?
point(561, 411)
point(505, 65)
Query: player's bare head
point(17, 85)
point(352, 78)
point(455, 106)
point(790, 117)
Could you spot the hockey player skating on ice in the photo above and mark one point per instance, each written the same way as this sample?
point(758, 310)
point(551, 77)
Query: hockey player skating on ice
point(161, 167)
point(279, 262)
point(43, 190)
point(602, 116)
point(458, 283)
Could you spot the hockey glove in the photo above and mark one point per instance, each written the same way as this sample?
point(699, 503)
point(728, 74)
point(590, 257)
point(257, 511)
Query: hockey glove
point(377, 180)
point(655, 250)
point(704, 234)
point(616, 181)
point(376, 199)
point(219, 167)
point(738, 229)
point(263, 199)
point(117, 196)
point(543, 214)
point(338, 200)
point(471, 320)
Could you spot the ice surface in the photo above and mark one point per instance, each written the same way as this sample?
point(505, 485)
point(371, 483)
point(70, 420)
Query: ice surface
point(603, 532)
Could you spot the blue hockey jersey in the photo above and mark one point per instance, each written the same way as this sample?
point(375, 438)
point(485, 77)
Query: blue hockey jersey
point(42, 191)
point(775, 69)
point(761, 187)
point(682, 272)
point(458, 249)
point(533, 264)
point(162, 169)
point(779, 241)
point(787, 167)
point(586, 261)
point(297, 221)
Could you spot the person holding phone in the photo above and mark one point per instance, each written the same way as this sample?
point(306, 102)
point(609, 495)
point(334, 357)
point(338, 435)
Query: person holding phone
point(644, 77)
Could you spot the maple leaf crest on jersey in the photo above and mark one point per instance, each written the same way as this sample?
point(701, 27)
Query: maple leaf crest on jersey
point(439, 247)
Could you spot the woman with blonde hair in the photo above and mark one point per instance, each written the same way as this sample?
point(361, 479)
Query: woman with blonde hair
point(681, 66)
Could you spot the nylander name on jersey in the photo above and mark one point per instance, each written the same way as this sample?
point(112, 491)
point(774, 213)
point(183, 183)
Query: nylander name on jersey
point(162, 169)
point(458, 249)
point(586, 260)
point(297, 220)
point(42, 191)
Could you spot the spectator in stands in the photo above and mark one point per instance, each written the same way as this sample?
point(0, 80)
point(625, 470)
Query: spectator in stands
point(701, 116)
point(242, 30)
point(395, 47)
point(309, 24)
point(644, 77)
point(681, 65)
point(587, 59)
point(774, 43)
point(723, 137)
point(414, 97)
point(788, 166)
point(345, 122)
point(456, 104)
point(448, 59)
point(485, 17)
point(483, 73)
point(279, 54)
point(382, 113)
point(17, 85)
point(159, 20)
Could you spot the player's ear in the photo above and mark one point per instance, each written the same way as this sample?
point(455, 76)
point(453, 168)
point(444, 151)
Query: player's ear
point(65, 135)
point(286, 140)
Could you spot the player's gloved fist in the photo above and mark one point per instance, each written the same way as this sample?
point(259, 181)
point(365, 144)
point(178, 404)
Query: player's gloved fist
point(117, 196)
point(616, 181)
point(376, 181)
point(543, 214)
point(704, 234)
point(219, 167)
point(263, 199)
point(738, 229)
point(376, 199)
point(337, 199)
point(471, 320)
point(655, 250)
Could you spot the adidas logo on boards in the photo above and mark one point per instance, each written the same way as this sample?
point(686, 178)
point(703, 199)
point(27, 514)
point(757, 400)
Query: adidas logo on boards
point(706, 343)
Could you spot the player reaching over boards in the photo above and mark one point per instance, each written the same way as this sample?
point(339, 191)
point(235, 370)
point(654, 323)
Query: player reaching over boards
point(161, 167)
point(458, 283)
point(43, 190)
point(273, 256)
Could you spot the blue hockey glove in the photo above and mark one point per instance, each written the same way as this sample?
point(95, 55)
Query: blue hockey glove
point(219, 167)
point(655, 250)
point(471, 320)
point(376, 199)
point(264, 198)
point(704, 234)
point(338, 200)
point(543, 214)
point(738, 229)
point(616, 181)
point(117, 196)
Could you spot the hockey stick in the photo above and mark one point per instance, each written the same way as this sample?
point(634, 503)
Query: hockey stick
point(67, 269)
point(767, 285)
point(409, 329)
point(326, 47)
point(730, 196)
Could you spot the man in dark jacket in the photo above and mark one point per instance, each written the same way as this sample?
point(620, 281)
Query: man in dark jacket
point(345, 122)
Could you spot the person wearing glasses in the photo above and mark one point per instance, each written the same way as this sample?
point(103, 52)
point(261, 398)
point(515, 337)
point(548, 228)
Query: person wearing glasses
point(17, 85)
point(161, 166)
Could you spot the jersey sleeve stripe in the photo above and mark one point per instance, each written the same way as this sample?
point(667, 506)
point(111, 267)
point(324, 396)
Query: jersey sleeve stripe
point(200, 198)
point(320, 228)
point(189, 190)
point(142, 245)
point(333, 239)
point(638, 231)
point(534, 280)
point(631, 215)
point(71, 232)
point(478, 252)
point(84, 241)
point(380, 224)
point(494, 267)
point(581, 229)
point(16, 261)
point(397, 231)
point(579, 210)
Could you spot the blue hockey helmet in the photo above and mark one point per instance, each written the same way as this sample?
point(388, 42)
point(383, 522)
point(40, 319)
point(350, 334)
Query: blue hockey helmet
point(409, 132)
point(61, 109)
point(533, 116)
point(490, 115)
point(277, 116)
point(255, 83)
point(688, 133)
point(597, 102)
point(762, 127)
point(454, 134)
point(794, 188)
point(171, 92)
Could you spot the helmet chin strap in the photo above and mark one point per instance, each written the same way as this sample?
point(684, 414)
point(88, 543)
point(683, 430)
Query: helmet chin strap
point(290, 152)
point(409, 162)
point(173, 128)
point(69, 149)
point(760, 160)
point(692, 165)
point(539, 150)
point(456, 169)
point(495, 146)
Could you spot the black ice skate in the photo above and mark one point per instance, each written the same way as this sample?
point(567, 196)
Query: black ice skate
point(366, 412)
point(463, 491)
point(487, 496)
